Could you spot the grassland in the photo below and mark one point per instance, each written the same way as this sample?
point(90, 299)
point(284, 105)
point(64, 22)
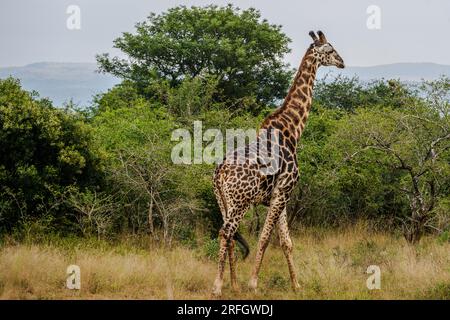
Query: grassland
point(331, 265)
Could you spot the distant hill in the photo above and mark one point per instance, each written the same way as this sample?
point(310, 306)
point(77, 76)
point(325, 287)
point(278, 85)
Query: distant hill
point(403, 71)
point(79, 81)
point(62, 81)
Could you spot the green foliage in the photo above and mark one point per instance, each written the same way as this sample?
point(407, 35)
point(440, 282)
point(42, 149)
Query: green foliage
point(349, 93)
point(235, 46)
point(136, 146)
point(94, 212)
point(349, 161)
point(407, 150)
point(444, 237)
point(192, 97)
point(340, 93)
point(35, 229)
point(377, 151)
point(439, 292)
point(211, 249)
point(123, 95)
point(44, 151)
point(377, 162)
point(278, 281)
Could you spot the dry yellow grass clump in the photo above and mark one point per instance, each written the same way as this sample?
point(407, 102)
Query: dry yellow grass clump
point(331, 265)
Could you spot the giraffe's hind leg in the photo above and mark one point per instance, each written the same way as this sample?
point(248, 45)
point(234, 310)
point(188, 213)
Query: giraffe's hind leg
point(286, 244)
point(223, 245)
point(226, 234)
point(232, 259)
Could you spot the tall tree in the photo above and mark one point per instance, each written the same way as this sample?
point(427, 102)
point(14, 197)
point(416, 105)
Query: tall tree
point(243, 51)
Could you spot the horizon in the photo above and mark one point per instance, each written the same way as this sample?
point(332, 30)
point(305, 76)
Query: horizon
point(80, 81)
point(92, 62)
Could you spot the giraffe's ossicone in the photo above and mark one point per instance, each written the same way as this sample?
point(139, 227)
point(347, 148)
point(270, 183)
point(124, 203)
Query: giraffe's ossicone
point(265, 171)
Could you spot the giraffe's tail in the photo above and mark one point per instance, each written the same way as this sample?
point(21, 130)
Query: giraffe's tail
point(242, 244)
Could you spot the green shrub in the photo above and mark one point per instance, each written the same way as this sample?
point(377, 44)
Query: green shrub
point(211, 249)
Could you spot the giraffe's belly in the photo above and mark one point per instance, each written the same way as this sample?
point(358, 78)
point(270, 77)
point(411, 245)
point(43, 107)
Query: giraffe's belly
point(265, 190)
point(284, 182)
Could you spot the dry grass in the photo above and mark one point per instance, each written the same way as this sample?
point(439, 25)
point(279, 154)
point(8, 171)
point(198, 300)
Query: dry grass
point(331, 264)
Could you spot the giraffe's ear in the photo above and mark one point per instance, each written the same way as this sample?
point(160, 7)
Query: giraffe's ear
point(313, 36)
point(322, 38)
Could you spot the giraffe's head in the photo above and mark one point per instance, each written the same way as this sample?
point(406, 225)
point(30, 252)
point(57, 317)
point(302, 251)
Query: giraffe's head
point(324, 52)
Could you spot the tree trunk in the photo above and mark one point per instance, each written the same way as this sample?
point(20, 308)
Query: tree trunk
point(414, 229)
point(413, 232)
point(150, 217)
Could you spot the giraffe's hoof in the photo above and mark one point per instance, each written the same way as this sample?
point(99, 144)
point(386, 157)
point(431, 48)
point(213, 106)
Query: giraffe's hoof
point(216, 292)
point(295, 286)
point(217, 288)
point(253, 284)
point(235, 288)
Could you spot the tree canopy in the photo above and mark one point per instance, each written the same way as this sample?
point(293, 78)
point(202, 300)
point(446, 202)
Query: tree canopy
point(241, 50)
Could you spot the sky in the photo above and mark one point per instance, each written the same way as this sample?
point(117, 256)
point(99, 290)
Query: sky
point(399, 31)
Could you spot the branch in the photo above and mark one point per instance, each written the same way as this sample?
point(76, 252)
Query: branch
point(431, 153)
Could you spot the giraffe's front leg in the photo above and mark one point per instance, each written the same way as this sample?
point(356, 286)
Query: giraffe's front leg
point(262, 245)
point(286, 244)
point(276, 207)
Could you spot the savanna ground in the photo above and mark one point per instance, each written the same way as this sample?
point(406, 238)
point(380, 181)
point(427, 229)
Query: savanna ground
point(332, 264)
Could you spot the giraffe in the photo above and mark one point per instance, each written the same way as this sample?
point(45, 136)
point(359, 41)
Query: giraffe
point(244, 178)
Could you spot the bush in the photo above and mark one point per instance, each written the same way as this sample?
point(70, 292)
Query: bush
point(211, 249)
point(44, 151)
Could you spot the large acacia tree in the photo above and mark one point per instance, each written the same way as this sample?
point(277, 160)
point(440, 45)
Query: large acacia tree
point(241, 50)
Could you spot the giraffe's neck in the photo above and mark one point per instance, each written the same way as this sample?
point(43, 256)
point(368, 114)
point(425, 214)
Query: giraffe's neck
point(294, 111)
